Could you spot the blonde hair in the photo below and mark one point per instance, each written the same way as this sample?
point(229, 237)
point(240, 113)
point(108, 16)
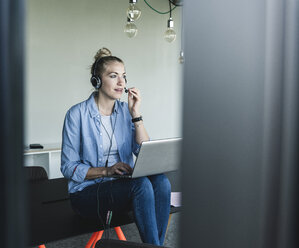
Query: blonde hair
point(103, 52)
point(102, 58)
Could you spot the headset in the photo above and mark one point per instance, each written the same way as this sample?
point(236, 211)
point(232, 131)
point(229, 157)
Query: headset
point(109, 213)
point(95, 79)
point(97, 83)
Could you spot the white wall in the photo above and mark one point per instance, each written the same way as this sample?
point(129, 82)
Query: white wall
point(62, 38)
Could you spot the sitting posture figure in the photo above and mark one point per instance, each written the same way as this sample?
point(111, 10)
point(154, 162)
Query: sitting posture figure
point(100, 136)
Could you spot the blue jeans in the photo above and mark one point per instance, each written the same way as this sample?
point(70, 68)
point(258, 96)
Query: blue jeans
point(148, 197)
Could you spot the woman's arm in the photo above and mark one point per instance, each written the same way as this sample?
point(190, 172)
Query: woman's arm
point(119, 168)
point(134, 101)
point(141, 133)
point(96, 172)
point(71, 165)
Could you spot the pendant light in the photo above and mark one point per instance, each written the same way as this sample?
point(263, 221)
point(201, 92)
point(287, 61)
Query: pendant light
point(170, 34)
point(133, 12)
point(130, 28)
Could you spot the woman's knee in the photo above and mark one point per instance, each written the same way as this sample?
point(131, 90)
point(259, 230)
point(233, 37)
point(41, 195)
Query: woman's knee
point(161, 183)
point(142, 185)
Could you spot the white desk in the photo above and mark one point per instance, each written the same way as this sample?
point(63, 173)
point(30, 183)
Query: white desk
point(48, 158)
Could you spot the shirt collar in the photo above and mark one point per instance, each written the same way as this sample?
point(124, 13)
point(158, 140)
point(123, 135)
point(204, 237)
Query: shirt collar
point(93, 108)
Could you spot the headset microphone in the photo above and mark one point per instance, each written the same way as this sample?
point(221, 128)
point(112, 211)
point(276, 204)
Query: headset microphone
point(126, 90)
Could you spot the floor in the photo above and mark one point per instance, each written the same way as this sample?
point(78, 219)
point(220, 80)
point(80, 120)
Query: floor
point(131, 233)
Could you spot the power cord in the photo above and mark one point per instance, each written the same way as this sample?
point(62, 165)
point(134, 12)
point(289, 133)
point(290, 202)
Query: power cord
point(106, 225)
point(177, 3)
point(160, 12)
point(170, 9)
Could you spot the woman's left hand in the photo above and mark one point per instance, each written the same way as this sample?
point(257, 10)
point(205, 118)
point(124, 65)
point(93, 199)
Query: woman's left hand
point(134, 101)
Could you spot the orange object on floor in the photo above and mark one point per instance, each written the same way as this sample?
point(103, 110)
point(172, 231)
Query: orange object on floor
point(96, 236)
point(119, 233)
point(91, 240)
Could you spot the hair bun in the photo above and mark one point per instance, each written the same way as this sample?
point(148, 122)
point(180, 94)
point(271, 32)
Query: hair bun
point(103, 52)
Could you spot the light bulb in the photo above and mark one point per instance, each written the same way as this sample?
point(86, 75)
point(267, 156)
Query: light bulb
point(169, 34)
point(133, 12)
point(130, 29)
point(181, 58)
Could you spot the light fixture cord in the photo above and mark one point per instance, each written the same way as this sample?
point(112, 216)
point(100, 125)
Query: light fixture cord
point(159, 12)
point(176, 4)
point(169, 9)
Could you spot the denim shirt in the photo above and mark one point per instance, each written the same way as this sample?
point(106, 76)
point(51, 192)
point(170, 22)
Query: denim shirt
point(82, 142)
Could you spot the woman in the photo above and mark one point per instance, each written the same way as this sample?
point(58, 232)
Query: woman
point(100, 136)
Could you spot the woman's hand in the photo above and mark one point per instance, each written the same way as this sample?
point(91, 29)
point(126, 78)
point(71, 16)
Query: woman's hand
point(97, 172)
point(134, 101)
point(119, 169)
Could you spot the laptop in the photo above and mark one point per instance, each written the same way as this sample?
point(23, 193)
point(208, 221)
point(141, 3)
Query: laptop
point(155, 157)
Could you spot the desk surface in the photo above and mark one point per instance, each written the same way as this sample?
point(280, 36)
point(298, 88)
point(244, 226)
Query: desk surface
point(55, 147)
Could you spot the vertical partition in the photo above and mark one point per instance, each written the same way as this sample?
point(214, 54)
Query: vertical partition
point(12, 187)
point(223, 123)
point(241, 124)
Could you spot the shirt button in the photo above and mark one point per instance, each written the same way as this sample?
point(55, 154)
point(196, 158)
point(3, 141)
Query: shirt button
point(101, 146)
point(98, 116)
point(101, 134)
point(100, 159)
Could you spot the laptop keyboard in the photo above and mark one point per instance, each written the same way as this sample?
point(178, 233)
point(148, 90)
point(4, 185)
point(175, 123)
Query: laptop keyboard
point(121, 176)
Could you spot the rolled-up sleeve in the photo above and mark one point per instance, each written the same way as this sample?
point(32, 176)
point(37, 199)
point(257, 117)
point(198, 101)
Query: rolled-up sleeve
point(71, 166)
point(135, 145)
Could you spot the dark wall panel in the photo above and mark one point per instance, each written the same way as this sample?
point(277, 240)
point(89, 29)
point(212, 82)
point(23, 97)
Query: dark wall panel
point(223, 122)
point(12, 188)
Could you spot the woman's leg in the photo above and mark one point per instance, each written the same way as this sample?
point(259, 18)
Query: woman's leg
point(121, 196)
point(144, 210)
point(98, 199)
point(162, 191)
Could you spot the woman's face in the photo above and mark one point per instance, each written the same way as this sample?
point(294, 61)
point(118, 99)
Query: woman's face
point(113, 80)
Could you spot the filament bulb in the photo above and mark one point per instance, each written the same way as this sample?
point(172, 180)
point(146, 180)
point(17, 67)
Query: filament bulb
point(170, 34)
point(133, 12)
point(181, 58)
point(130, 29)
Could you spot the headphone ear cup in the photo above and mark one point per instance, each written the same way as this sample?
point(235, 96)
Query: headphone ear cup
point(96, 82)
point(93, 81)
point(99, 84)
